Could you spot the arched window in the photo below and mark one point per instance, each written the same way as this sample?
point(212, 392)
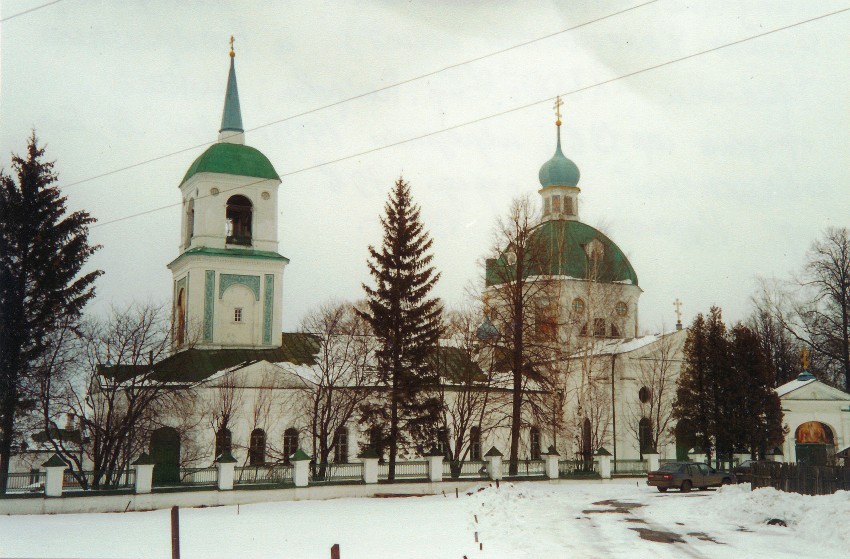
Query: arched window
point(645, 435)
point(223, 442)
point(568, 205)
point(535, 443)
point(599, 327)
point(443, 441)
point(615, 332)
point(475, 443)
point(583, 330)
point(190, 222)
point(239, 210)
point(341, 446)
point(644, 394)
point(586, 441)
point(556, 204)
point(376, 441)
point(621, 309)
point(257, 448)
point(290, 443)
point(180, 318)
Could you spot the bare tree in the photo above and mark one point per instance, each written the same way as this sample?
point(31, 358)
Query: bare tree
point(338, 378)
point(472, 405)
point(112, 391)
point(650, 410)
point(815, 306)
point(522, 303)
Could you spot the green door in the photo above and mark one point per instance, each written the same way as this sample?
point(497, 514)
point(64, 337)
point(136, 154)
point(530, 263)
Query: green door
point(165, 452)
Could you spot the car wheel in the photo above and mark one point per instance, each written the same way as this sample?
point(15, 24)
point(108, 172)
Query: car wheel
point(662, 489)
point(686, 486)
point(703, 488)
point(726, 481)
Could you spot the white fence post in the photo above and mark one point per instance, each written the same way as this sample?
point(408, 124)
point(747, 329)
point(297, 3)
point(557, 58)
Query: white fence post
point(551, 456)
point(370, 465)
point(494, 463)
point(653, 462)
point(435, 464)
point(54, 477)
point(144, 473)
point(300, 468)
point(604, 463)
point(226, 465)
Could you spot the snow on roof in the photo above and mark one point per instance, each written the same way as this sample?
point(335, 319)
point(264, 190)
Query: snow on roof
point(615, 347)
point(793, 385)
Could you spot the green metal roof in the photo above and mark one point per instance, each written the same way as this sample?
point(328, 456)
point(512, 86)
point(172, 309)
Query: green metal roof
point(231, 117)
point(559, 171)
point(232, 159)
point(556, 248)
point(232, 252)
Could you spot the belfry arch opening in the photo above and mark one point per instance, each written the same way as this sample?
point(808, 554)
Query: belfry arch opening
point(239, 214)
point(180, 319)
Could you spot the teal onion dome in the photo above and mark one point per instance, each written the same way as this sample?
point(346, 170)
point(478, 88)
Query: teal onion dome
point(559, 171)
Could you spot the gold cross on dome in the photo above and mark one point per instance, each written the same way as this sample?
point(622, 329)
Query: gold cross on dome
point(557, 108)
point(805, 358)
point(678, 304)
point(232, 53)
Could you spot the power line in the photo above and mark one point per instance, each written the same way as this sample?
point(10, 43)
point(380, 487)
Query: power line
point(512, 110)
point(365, 94)
point(29, 11)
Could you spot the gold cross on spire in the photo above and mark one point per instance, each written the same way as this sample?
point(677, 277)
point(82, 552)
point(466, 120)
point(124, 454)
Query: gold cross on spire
point(805, 358)
point(678, 304)
point(232, 53)
point(557, 108)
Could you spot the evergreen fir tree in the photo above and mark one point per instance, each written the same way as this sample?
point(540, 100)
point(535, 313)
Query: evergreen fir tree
point(42, 251)
point(692, 407)
point(407, 324)
point(756, 414)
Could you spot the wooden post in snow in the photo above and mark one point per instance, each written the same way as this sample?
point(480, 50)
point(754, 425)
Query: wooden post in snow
point(335, 551)
point(175, 532)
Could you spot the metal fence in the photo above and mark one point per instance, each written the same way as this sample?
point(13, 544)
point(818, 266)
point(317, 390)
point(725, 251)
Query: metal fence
point(630, 466)
point(336, 472)
point(525, 468)
point(198, 476)
point(568, 468)
point(473, 469)
point(98, 480)
point(252, 475)
point(411, 469)
point(800, 478)
point(25, 482)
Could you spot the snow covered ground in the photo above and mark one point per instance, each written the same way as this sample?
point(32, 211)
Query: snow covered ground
point(619, 518)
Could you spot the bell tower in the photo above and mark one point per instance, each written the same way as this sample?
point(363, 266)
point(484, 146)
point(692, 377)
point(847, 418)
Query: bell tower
point(228, 276)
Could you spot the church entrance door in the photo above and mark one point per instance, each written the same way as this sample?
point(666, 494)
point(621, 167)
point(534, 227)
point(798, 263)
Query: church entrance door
point(165, 452)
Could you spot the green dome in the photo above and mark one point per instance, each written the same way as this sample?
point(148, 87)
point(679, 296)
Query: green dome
point(232, 159)
point(557, 248)
point(559, 171)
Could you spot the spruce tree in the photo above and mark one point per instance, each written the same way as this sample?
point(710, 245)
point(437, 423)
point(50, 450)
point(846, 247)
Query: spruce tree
point(692, 407)
point(407, 324)
point(42, 251)
point(756, 414)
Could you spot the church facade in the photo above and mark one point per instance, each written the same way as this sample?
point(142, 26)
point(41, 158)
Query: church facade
point(227, 296)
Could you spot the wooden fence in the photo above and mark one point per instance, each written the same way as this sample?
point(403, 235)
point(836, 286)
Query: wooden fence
point(800, 478)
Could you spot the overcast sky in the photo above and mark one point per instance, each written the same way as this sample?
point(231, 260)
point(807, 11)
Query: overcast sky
point(707, 172)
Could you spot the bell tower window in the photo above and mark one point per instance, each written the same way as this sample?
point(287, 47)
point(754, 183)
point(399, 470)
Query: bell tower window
point(239, 213)
point(556, 204)
point(190, 222)
point(568, 206)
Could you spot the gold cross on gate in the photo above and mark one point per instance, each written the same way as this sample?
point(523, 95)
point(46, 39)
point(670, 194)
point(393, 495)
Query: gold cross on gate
point(557, 108)
point(678, 304)
point(805, 358)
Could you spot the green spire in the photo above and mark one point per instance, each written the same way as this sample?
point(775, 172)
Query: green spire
point(231, 118)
